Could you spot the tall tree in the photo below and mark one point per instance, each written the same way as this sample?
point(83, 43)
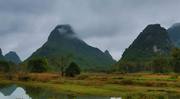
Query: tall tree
point(63, 63)
point(37, 65)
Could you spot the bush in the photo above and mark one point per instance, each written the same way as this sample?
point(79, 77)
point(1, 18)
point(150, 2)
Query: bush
point(127, 82)
point(160, 65)
point(37, 65)
point(4, 66)
point(176, 59)
point(24, 78)
point(72, 70)
point(130, 67)
point(82, 77)
point(174, 77)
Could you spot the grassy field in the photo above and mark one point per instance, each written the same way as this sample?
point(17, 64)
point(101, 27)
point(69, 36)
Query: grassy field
point(102, 84)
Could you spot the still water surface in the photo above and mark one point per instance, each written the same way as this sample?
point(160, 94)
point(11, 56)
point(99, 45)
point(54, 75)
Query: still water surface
point(15, 92)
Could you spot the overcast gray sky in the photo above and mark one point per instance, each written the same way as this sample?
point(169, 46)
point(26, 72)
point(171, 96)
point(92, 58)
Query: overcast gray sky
point(107, 24)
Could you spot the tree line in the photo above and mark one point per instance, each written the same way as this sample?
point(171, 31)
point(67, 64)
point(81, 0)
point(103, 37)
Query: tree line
point(66, 67)
point(158, 64)
point(40, 65)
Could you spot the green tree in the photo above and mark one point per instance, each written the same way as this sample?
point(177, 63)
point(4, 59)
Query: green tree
point(38, 65)
point(72, 70)
point(176, 59)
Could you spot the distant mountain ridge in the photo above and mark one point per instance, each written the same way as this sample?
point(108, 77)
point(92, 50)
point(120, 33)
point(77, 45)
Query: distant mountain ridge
point(174, 34)
point(63, 41)
point(12, 57)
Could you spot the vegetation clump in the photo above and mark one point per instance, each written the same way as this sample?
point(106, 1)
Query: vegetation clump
point(176, 60)
point(37, 65)
point(72, 70)
point(160, 65)
point(4, 66)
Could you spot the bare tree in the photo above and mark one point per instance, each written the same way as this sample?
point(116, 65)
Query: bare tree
point(63, 62)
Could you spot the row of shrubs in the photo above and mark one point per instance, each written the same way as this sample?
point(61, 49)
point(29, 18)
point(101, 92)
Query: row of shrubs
point(41, 65)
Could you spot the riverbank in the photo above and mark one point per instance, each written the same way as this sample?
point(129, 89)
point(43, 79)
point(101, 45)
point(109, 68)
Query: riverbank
point(101, 84)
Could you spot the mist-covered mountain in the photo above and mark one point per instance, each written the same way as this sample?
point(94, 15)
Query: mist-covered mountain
point(64, 42)
point(152, 41)
point(174, 34)
point(12, 57)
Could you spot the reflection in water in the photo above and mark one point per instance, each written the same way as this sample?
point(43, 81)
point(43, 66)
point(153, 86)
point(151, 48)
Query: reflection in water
point(11, 93)
point(14, 92)
point(20, 93)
